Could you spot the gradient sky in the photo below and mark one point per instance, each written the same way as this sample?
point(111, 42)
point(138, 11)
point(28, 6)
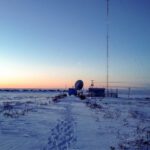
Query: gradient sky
point(52, 43)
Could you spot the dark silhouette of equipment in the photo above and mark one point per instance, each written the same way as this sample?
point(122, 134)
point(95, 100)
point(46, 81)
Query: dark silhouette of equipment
point(72, 91)
point(92, 83)
point(77, 91)
point(79, 85)
point(97, 92)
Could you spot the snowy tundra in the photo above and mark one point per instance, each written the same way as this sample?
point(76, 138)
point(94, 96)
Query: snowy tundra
point(32, 121)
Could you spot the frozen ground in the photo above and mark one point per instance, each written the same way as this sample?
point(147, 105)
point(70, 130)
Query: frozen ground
point(31, 121)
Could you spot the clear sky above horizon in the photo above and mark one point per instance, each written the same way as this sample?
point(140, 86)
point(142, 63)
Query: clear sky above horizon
point(52, 43)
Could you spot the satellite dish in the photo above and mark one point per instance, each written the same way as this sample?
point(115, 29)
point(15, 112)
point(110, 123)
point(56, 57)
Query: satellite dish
point(79, 85)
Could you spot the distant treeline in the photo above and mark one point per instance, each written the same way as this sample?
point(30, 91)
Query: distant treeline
point(31, 90)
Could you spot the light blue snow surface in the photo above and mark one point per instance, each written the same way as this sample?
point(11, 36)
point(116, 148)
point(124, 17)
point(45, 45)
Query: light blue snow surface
point(32, 121)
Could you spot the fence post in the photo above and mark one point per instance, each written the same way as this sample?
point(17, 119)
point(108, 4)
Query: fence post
point(129, 92)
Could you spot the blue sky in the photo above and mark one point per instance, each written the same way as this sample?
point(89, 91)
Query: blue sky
point(52, 43)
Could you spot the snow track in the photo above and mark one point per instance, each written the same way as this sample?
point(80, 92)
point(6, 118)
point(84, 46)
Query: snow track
point(63, 135)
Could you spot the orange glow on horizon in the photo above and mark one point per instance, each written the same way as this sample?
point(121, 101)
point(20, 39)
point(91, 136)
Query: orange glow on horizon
point(37, 83)
point(53, 84)
point(33, 84)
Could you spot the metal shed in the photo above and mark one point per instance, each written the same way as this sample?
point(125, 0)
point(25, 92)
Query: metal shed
point(97, 92)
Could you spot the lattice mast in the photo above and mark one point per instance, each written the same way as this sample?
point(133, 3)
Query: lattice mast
point(107, 47)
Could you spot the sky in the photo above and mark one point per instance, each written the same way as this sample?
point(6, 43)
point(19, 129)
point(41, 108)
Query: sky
point(53, 43)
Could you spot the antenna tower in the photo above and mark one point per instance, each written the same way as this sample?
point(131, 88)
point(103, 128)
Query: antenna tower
point(107, 53)
point(92, 83)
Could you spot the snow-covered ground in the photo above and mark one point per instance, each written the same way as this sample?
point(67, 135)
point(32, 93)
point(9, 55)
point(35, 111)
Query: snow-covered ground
point(32, 121)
